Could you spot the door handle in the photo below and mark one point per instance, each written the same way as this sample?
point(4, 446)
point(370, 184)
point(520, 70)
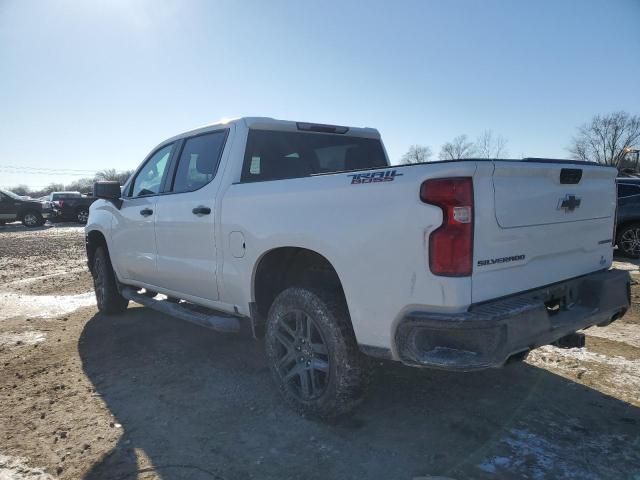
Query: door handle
point(201, 210)
point(145, 212)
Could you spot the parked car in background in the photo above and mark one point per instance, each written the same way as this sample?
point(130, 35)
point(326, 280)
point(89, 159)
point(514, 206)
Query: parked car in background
point(628, 217)
point(32, 213)
point(71, 206)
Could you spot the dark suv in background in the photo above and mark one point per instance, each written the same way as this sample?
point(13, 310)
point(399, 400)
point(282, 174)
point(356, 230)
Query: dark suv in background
point(70, 206)
point(32, 213)
point(628, 217)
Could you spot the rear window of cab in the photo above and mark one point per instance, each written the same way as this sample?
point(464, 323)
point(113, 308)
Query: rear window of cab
point(276, 155)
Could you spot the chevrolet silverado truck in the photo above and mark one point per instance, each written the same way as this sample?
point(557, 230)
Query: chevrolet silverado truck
point(304, 235)
point(32, 213)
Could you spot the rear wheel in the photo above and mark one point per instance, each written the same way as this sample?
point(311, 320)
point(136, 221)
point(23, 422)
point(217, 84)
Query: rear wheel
point(313, 354)
point(32, 219)
point(629, 240)
point(108, 298)
point(82, 215)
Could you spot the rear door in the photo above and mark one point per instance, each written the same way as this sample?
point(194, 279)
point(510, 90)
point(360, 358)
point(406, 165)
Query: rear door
point(134, 252)
point(185, 221)
point(540, 223)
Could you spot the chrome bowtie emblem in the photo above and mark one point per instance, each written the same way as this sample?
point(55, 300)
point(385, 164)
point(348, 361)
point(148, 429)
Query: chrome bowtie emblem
point(569, 203)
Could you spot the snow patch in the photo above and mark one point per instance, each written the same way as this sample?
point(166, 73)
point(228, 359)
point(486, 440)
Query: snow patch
point(618, 332)
point(622, 375)
point(18, 305)
point(15, 468)
point(25, 338)
point(532, 456)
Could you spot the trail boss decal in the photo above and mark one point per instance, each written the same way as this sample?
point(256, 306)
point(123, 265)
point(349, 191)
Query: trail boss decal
point(493, 261)
point(374, 177)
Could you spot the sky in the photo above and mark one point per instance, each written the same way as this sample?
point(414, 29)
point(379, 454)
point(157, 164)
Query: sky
point(87, 85)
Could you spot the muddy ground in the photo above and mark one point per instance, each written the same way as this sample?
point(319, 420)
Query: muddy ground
point(141, 395)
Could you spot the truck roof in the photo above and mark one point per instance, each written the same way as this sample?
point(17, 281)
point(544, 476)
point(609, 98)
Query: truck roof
point(268, 123)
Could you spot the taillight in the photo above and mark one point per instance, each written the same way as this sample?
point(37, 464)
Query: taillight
point(451, 244)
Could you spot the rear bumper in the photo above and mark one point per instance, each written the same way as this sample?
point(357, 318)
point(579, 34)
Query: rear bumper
point(488, 334)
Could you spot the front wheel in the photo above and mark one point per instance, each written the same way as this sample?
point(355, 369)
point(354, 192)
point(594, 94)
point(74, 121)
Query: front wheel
point(313, 354)
point(82, 215)
point(32, 219)
point(108, 297)
point(629, 240)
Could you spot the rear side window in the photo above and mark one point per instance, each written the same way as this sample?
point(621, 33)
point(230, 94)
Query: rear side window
point(199, 161)
point(626, 190)
point(64, 196)
point(272, 155)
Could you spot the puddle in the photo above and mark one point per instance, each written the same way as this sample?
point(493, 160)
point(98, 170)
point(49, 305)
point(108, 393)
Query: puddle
point(24, 338)
point(42, 306)
point(16, 468)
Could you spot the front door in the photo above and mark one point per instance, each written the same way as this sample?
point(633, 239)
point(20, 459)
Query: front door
point(7, 208)
point(134, 252)
point(185, 219)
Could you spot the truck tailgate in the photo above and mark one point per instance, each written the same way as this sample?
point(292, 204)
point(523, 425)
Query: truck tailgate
point(540, 223)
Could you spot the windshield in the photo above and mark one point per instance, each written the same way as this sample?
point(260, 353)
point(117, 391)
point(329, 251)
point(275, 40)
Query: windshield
point(10, 194)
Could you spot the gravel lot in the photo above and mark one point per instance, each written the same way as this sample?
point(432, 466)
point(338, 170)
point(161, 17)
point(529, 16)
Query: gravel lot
point(141, 395)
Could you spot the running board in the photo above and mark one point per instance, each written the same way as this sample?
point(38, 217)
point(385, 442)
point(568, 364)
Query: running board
point(219, 321)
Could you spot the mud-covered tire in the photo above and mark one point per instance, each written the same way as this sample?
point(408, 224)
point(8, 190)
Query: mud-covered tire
point(628, 240)
point(108, 298)
point(82, 215)
point(331, 354)
point(32, 219)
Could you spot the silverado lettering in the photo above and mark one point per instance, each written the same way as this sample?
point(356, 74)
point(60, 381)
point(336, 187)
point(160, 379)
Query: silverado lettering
point(492, 261)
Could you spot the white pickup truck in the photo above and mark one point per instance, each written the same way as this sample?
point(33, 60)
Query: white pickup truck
point(305, 234)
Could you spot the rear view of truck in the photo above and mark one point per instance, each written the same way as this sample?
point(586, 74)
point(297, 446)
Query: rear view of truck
point(535, 238)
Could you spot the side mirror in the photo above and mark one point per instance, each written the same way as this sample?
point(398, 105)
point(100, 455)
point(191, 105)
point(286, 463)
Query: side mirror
point(108, 191)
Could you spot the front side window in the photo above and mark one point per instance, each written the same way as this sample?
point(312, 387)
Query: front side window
point(199, 161)
point(273, 155)
point(149, 179)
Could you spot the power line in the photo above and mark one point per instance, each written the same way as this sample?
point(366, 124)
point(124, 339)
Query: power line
point(47, 169)
point(70, 174)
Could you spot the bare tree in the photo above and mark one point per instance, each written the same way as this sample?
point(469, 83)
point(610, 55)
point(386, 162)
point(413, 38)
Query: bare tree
point(21, 190)
point(459, 147)
point(491, 146)
point(81, 185)
point(113, 174)
point(606, 138)
point(417, 154)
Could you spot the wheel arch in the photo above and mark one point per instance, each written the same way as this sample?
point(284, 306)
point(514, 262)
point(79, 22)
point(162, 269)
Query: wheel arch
point(282, 267)
point(93, 240)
